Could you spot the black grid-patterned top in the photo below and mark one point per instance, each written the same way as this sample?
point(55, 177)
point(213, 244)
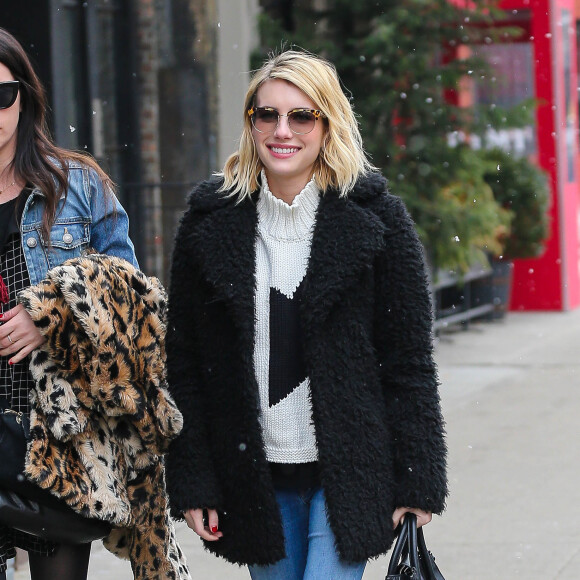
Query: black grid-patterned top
point(15, 380)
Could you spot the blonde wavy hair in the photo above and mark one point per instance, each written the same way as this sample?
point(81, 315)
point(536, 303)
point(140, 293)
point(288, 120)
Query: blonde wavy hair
point(342, 159)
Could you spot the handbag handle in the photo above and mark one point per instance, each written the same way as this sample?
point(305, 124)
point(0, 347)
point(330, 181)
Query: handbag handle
point(431, 570)
point(397, 550)
point(410, 558)
point(406, 546)
point(411, 521)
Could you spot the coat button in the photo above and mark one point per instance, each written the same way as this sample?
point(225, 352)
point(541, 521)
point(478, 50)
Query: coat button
point(31, 242)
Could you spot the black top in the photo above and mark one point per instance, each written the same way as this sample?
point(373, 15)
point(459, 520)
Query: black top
point(8, 219)
point(15, 380)
point(11, 214)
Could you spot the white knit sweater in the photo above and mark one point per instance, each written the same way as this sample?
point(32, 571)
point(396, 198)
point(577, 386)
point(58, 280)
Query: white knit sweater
point(282, 253)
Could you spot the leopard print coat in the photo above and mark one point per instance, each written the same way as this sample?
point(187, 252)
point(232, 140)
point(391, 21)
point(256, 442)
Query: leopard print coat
point(101, 416)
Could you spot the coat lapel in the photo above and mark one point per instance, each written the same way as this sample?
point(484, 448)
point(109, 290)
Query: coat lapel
point(225, 242)
point(345, 242)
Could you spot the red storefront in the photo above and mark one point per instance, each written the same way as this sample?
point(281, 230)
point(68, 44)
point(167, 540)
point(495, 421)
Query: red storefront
point(545, 64)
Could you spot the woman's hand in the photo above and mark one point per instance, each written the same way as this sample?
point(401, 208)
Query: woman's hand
point(194, 519)
point(18, 334)
point(422, 517)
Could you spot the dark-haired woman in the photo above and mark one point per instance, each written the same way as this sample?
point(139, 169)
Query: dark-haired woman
point(53, 205)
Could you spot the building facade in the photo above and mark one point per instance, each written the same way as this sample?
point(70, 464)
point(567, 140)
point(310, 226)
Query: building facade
point(151, 88)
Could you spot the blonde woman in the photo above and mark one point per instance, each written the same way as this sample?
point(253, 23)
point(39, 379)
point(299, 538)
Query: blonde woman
point(299, 344)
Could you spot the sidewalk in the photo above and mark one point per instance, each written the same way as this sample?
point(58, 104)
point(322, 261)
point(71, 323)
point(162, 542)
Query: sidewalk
point(510, 396)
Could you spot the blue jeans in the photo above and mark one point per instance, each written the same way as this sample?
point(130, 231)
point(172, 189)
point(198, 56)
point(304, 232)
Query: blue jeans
point(310, 551)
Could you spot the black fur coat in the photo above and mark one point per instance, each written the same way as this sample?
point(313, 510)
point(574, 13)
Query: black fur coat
point(366, 322)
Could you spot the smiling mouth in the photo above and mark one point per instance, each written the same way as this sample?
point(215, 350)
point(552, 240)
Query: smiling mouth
point(284, 150)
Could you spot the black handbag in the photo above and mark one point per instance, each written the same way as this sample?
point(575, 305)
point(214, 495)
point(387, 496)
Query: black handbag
point(26, 507)
point(410, 559)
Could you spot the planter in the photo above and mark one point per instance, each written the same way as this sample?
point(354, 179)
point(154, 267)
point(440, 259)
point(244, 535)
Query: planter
point(453, 297)
point(495, 289)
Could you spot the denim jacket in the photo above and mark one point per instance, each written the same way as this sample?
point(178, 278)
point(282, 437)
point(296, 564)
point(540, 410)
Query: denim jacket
point(85, 219)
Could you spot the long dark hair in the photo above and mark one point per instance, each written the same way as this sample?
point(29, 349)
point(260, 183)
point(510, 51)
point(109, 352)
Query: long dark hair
point(37, 159)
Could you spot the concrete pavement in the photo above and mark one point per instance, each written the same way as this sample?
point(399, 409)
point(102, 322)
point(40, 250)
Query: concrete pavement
point(510, 396)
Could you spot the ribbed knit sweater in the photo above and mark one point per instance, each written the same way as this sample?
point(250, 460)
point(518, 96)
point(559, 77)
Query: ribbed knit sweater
point(282, 252)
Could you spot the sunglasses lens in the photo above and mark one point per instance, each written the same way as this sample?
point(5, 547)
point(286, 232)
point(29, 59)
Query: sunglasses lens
point(8, 94)
point(265, 120)
point(301, 122)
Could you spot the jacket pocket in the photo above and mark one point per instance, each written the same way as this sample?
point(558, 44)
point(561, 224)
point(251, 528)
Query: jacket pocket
point(68, 239)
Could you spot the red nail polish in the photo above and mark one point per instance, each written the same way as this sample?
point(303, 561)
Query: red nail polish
point(10, 362)
point(214, 529)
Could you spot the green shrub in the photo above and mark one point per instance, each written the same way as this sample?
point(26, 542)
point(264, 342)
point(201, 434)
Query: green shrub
point(522, 188)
